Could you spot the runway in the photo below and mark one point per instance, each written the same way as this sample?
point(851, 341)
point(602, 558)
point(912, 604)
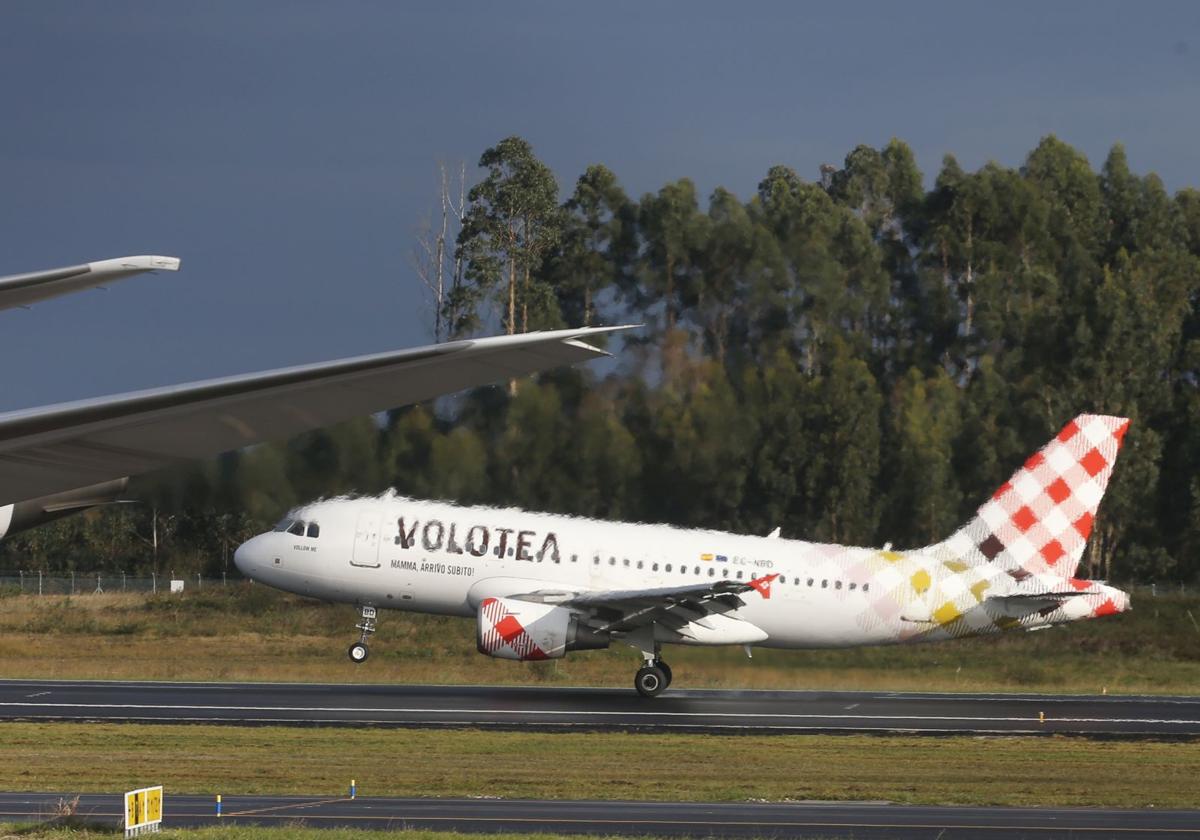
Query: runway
point(678, 819)
point(554, 709)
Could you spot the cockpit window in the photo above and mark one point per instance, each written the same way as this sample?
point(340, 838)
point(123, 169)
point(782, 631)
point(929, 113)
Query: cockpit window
point(297, 528)
point(283, 524)
point(314, 530)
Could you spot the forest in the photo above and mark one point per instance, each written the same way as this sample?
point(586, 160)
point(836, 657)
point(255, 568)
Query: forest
point(861, 358)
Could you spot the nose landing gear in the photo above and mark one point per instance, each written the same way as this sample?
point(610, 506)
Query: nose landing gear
point(359, 651)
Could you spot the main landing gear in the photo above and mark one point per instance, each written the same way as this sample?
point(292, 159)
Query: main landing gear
point(653, 678)
point(359, 651)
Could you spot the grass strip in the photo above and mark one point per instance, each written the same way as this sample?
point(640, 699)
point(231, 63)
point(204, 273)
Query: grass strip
point(966, 770)
point(249, 632)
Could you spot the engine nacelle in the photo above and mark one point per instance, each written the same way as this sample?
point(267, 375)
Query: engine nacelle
point(33, 512)
point(509, 628)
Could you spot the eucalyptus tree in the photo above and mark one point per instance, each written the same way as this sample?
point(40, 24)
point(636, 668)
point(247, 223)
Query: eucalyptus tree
point(598, 244)
point(512, 221)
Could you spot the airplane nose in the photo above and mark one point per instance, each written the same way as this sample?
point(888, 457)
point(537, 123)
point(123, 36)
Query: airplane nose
point(246, 556)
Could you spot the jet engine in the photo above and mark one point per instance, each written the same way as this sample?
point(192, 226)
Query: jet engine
point(509, 628)
point(22, 516)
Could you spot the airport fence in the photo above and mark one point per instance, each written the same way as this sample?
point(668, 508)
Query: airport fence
point(89, 583)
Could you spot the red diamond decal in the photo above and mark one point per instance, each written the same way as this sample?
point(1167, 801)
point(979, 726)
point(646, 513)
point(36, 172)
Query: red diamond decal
point(1004, 488)
point(1053, 551)
point(1069, 431)
point(1035, 460)
point(1107, 608)
point(1024, 518)
point(1119, 434)
point(1084, 526)
point(1093, 462)
point(509, 628)
point(1058, 491)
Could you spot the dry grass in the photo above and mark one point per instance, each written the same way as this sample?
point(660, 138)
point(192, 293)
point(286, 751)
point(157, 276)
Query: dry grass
point(287, 760)
point(249, 632)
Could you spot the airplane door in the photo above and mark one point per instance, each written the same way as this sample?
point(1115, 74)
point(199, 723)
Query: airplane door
point(366, 540)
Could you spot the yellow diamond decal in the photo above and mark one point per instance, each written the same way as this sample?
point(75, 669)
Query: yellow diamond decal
point(946, 613)
point(955, 565)
point(978, 589)
point(920, 581)
point(890, 556)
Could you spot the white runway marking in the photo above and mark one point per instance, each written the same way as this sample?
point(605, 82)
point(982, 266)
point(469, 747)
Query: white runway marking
point(581, 714)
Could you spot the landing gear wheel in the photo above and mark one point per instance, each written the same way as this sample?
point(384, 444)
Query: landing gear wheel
point(650, 681)
point(666, 669)
point(358, 651)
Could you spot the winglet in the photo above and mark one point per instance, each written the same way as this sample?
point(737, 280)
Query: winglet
point(143, 262)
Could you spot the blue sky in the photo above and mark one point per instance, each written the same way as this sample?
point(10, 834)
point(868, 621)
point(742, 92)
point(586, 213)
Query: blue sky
point(287, 151)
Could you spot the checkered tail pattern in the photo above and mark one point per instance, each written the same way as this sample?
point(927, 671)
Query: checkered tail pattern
point(1038, 522)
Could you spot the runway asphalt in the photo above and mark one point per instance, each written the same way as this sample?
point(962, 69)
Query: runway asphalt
point(680, 819)
point(554, 709)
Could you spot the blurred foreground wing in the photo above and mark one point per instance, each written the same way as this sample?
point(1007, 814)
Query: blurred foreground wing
point(54, 448)
point(23, 289)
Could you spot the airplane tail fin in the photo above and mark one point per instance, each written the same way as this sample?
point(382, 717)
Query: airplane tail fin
point(1039, 521)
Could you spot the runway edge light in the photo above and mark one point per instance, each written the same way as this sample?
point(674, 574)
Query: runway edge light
point(143, 811)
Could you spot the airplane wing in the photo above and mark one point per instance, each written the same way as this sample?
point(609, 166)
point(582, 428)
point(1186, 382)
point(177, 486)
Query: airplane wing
point(61, 447)
point(697, 613)
point(18, 290)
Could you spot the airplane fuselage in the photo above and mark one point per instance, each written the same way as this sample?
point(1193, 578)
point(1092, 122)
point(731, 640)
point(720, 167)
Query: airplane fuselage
point(397, 553)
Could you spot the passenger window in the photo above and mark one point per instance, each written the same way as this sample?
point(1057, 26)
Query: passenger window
point(864, 587)
point(626, 562)
point(810, 581)
point(724, 572)
point(641, 565)
point(739, 574)
point(314, 530)
point(612, 561)
point(824, 584)
point(574, 558)
point(697, 570)
point(595, 561)
point(668, 567)
point(782, 579)
point(837, 584)
point(297, 528)
point(852, 585)
point(712, 572)
point(654, 568)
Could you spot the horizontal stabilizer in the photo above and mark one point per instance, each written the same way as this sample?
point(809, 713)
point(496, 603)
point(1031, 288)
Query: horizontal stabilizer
point(1021, 605)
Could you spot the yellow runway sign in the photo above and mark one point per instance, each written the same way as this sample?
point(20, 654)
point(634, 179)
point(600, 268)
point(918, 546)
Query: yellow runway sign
point(143, 811)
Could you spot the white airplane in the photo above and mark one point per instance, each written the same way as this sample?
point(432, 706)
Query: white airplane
point(59, 459)
point(540, 585)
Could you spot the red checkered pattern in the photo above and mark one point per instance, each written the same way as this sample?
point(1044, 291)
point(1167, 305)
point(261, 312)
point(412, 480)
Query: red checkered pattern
point(1039, 521)
point(499, 629)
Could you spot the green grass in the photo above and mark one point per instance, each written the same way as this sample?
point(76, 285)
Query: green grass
point(251, 632)
point(80, 758)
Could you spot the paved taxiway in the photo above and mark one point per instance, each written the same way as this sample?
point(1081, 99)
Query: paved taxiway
point(732, 819)
point(600, 709)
